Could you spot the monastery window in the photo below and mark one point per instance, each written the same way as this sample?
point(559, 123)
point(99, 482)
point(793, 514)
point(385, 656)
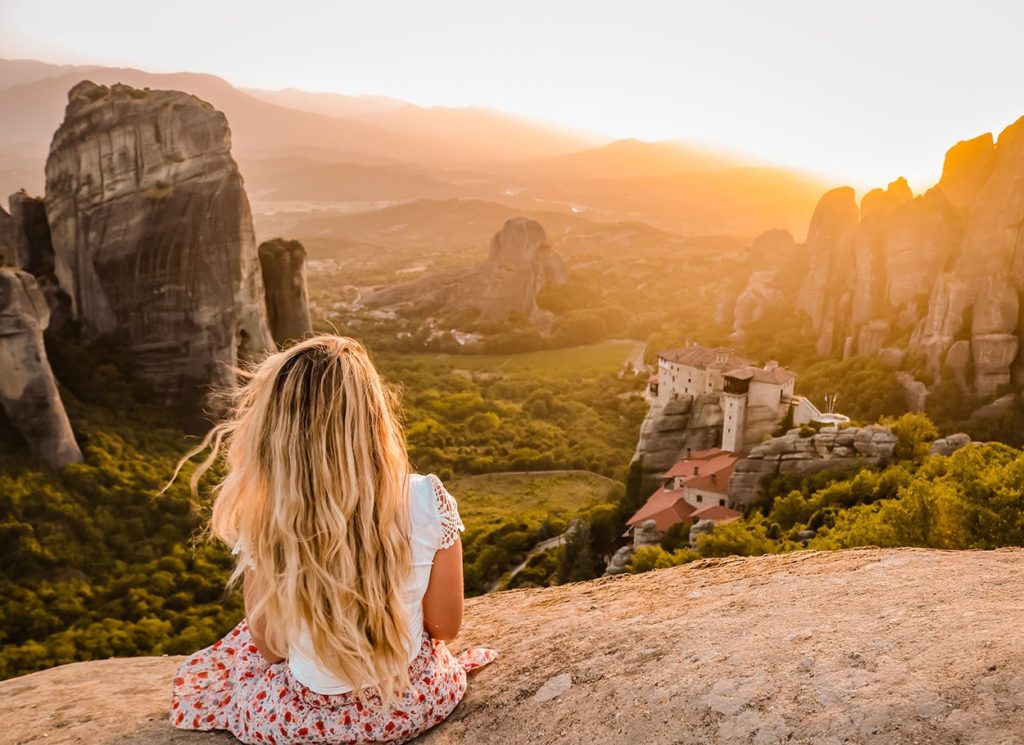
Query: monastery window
point(700, 497)
point(721, 503)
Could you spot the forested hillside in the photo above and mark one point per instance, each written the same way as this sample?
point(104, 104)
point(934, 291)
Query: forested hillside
point(95, 564)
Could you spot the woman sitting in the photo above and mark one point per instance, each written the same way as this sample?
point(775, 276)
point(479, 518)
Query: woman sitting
point(351, 566)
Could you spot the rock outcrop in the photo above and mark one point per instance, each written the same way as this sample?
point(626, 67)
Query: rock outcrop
point(672, 426)
point(645, 534)
point(805, 648)
point(830, 257)
point(830, 448)
point(519, 265)
point(949, 445)
point(28, 391)
point(8, 254)
point(283, 266)
point(153, 237)
point(943, 268)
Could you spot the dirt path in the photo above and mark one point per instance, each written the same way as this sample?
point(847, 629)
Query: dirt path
point(541, 547)
point(635, 358)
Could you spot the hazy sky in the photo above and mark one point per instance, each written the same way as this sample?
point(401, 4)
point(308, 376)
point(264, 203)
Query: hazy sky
point(864, 90)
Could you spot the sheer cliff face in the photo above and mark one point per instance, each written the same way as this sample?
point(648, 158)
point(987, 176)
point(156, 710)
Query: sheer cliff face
point(28, 391)
point(153, 236)
point(943, 268)
point(979, 299)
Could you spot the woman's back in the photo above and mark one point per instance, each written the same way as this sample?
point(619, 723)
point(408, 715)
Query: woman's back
point(351, 566)
point(434, 525)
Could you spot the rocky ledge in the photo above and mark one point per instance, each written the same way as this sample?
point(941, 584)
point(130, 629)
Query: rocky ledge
point(806, 451)
point(863, 646)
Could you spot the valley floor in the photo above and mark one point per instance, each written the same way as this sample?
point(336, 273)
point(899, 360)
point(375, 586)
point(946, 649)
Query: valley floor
point(860, 646)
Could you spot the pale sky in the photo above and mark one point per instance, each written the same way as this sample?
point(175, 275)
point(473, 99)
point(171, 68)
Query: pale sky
point(865, 91)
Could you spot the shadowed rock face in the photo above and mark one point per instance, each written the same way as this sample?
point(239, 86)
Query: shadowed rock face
point(28, 391)
point(32, 244)
point(7, 250)
point(153, 237)
point(33, 253)
point(283, 266)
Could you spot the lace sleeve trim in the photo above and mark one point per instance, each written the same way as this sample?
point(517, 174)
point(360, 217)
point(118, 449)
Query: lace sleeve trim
point(448, 509)
point(241, 553)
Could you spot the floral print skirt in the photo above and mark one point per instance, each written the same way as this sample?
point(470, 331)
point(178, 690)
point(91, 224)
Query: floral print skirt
point(230, 686)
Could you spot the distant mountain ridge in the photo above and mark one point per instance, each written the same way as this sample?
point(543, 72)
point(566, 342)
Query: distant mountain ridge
point(296, 146)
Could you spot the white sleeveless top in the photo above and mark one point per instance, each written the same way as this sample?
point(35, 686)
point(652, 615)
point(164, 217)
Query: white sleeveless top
point(435, 524)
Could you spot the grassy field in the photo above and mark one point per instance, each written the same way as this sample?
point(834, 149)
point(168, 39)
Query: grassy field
point(587, 360)
point(494, 497)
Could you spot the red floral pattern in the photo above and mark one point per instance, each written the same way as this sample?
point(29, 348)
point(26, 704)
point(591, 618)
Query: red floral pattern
point(230, 686)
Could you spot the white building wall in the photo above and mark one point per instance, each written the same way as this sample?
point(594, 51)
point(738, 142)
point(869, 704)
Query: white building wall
point(804, 411)
point(702, 498)
point(734, 415)
point(675, 380)
point(765, 394)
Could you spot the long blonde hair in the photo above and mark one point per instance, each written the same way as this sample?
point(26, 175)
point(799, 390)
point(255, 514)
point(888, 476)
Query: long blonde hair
point(316, 498)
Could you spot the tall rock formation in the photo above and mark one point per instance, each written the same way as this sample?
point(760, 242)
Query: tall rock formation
point(520, 264)
point(153, 237)
point(28, 392)
point(978, 298)
point(945, 268)
point(773, 258)
point(283, 266)
point(824, 295)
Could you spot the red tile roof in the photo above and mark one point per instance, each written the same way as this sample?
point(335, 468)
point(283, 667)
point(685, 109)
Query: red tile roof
point(715, 461)
point(719, 484)
point(716, 514)
point(666, 507)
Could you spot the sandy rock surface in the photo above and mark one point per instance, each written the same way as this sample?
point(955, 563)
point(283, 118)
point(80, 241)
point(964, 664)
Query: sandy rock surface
point(866, 646)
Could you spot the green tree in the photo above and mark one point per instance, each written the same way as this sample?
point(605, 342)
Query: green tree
point(914, 435)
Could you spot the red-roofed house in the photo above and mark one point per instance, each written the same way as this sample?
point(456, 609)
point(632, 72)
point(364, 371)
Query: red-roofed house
point(716, 513)
point(698, 481)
